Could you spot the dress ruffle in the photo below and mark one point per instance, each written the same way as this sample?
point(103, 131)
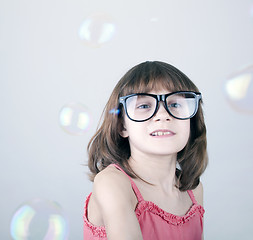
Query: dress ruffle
point(97, 231)
point(169, 217)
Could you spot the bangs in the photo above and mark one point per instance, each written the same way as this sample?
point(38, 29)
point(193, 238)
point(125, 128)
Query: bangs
point(152, 84)
point(155, 76)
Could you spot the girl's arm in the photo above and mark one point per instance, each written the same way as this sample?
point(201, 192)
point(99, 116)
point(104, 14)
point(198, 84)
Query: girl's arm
point(116, 202)
point(198, 194)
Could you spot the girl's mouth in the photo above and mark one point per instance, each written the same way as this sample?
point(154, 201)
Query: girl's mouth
point(162, 133)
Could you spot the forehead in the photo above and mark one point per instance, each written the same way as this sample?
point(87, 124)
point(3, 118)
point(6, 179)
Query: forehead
point(160, 91)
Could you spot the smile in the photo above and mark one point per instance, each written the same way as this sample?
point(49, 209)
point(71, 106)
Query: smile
point(161, 133)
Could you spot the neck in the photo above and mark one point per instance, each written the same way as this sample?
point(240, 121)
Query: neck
point(157, 170)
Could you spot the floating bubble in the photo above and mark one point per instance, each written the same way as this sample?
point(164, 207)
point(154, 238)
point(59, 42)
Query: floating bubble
point(239, 90)
point(114, 111)
point(39, 219)
point(251, 11)
point(96, 30)
point(75, 118)
point(154, 19)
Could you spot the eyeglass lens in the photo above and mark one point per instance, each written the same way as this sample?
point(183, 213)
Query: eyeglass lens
point(180, 105)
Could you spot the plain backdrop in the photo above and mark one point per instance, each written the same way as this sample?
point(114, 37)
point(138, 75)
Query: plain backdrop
point(44, 64)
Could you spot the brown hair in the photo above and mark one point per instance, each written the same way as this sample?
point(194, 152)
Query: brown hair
point(108, 146)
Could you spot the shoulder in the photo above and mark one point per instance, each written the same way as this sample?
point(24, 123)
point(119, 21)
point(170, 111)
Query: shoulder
point(116, 202)
point(111, 179)
point(111, 187)
point(198, 193)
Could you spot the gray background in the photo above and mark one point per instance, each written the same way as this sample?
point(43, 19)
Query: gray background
point(44, 65)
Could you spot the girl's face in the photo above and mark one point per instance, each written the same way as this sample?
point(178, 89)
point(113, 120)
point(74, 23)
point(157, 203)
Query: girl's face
point(162, 135)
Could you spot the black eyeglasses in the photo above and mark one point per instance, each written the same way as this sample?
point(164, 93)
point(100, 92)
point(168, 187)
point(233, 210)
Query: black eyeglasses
point(140, 107)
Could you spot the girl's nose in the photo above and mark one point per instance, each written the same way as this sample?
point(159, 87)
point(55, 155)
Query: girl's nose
point(162, 114)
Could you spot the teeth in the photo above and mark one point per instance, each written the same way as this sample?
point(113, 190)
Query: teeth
point(160, 133)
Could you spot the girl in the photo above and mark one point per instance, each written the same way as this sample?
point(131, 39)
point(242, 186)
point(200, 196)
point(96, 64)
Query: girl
point(146, 159)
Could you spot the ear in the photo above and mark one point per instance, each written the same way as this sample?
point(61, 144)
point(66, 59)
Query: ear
point(124, 132)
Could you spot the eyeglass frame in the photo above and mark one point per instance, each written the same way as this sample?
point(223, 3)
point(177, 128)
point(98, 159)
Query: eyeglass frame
point(160, 98)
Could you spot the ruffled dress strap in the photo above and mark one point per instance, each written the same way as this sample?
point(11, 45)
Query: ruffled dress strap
point(192, 197)
point(135, 189)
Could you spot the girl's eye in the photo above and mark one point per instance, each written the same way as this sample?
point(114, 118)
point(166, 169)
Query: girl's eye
point(175, 105)
point(143, 106)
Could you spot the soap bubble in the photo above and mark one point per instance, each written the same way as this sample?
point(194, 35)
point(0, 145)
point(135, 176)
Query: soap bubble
point(96, 30)
point(39, 219)
point(251, 11)
point(239, 90)
point(154, 19)
point(75, 118)
point(114, 111)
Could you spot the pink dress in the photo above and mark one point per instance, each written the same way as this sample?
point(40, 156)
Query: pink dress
point(155, 223)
